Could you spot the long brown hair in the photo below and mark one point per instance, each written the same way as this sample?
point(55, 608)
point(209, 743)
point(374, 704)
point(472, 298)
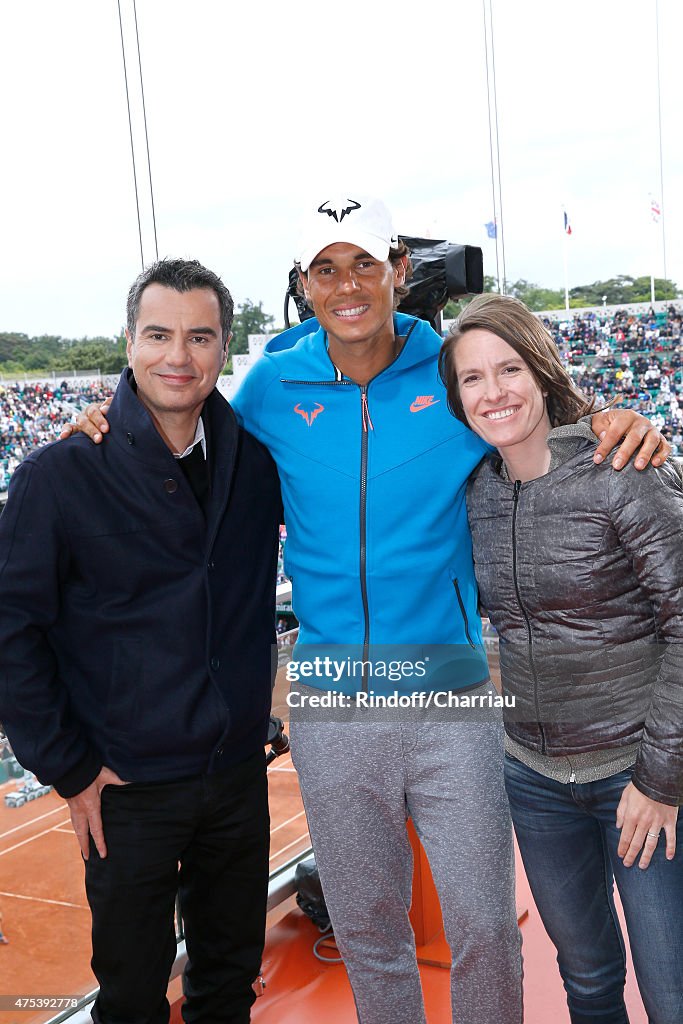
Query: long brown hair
point(510, 320)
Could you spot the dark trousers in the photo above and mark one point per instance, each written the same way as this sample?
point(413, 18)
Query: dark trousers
point(207, 840)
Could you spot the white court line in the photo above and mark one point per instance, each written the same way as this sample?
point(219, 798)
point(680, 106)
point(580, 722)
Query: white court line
point(278, 853)
point(32, 821)
point(42, 899)
point(289, 820)
point(31, 838)
point(292, 770)
point(283, 760)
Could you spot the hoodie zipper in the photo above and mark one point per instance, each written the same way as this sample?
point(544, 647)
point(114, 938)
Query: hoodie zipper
point(367, 426)
point(463, 612)
point(318, 383)
point(515, 496)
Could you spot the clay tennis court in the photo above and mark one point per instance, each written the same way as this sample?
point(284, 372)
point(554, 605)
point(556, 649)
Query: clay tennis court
point(42, 893)
point(47, 921)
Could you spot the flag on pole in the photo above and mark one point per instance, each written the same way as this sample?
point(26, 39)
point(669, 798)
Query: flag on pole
point(491, 229)
point(565, 247)
point(655, 209)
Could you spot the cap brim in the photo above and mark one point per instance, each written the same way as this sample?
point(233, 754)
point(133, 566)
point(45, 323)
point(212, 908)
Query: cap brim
point(376, 247)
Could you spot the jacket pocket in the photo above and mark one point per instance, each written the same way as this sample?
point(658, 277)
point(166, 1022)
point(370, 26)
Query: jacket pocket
point(461, 605)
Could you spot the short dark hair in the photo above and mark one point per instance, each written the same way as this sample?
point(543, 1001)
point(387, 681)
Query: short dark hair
point(396, 254)
point(181, 276)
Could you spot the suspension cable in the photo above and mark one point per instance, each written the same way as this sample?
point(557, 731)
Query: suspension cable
point(493, 180)
point(500, 183)
point(144, 118)
point(661, 158)
point(130, 132)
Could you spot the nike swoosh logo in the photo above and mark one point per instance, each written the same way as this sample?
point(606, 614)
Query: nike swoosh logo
point(417, 407)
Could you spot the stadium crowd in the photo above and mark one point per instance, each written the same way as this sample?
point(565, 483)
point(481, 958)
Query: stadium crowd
point(636, 358)
point(33, 414)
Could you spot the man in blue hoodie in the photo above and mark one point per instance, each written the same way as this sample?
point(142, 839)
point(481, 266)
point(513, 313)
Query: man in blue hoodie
point(373, 470)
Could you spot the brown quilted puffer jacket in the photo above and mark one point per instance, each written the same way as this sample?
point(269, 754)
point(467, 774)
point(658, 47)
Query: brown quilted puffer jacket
point(581, 573)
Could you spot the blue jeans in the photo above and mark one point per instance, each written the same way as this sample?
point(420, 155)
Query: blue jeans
point(568, 841)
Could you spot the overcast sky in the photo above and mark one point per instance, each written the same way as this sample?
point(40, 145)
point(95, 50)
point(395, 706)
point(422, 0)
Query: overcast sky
point(254, 106)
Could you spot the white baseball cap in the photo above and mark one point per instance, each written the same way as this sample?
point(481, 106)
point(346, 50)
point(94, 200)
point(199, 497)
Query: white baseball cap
point(361, 221)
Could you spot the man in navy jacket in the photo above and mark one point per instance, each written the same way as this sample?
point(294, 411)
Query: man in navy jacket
point(137, 595)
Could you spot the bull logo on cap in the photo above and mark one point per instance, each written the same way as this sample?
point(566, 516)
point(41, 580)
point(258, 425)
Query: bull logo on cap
point(337, 209)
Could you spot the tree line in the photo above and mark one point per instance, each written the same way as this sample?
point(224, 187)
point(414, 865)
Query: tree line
point(49, 353)
point(617, 291)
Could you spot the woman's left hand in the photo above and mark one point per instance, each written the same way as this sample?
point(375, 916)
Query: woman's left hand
point(641, 820)
point(637, 431)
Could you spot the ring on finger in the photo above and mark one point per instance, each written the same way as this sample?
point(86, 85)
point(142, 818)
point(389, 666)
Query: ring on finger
point(653, 835)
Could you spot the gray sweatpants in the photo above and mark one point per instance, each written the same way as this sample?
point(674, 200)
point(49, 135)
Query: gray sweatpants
point(359, 781)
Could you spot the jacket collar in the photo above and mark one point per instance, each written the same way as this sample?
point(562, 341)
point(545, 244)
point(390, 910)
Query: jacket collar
point(492, 469)
point(302, 350)
point(131, 428)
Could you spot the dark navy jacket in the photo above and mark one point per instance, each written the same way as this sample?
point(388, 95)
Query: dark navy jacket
point(134, 632)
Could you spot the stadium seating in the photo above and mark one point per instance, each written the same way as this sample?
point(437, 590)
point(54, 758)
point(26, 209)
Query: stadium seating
point(32, 414)
point(634, 358)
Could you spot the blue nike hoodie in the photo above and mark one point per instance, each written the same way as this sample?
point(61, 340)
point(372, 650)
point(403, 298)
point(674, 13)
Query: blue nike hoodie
point(373, 483)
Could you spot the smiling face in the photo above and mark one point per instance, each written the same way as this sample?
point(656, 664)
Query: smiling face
point(177, 351)
point(501, 398)
point(352, 293)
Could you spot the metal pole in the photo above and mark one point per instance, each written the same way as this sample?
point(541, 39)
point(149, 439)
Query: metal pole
point(661, 160)
point(500, 180)
point(493, 173)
